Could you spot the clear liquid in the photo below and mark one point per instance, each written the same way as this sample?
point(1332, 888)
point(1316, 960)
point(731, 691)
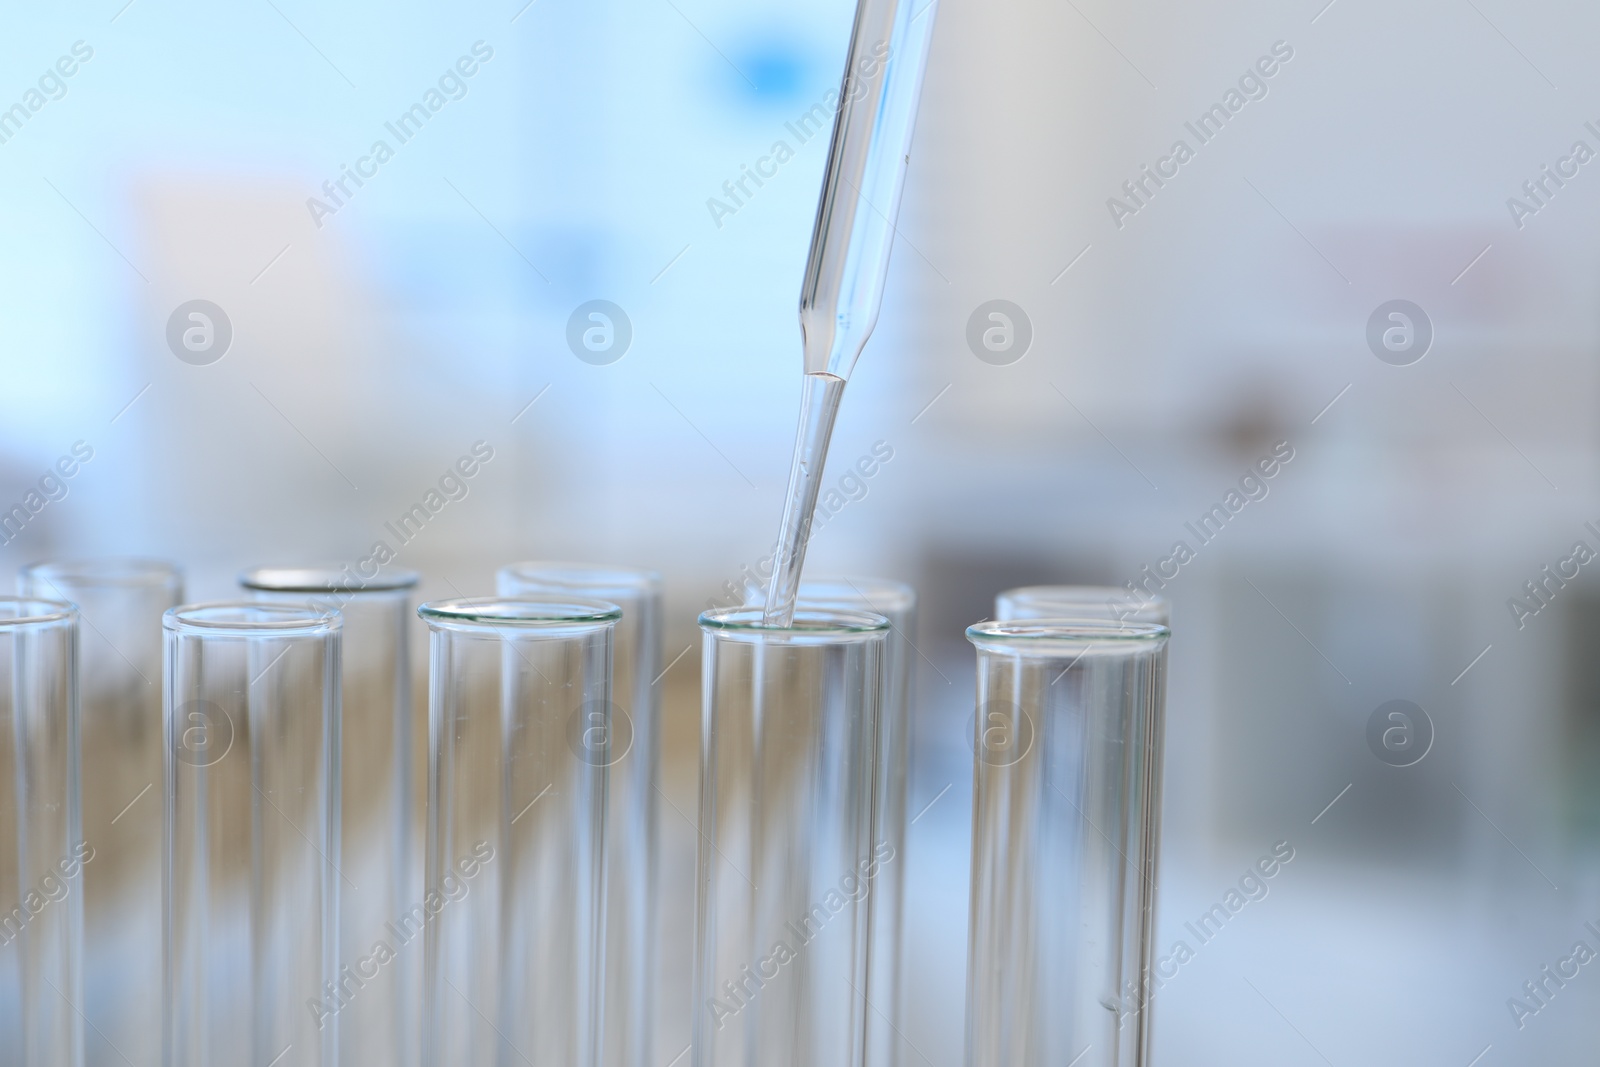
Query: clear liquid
point(819, 404)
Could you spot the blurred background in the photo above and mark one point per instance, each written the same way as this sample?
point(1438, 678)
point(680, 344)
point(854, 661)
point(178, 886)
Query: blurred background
point(362, 334)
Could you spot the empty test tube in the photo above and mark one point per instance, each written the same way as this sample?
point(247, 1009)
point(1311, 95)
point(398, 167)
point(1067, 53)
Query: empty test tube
point(41, 868)
point(646, 981)
point(1065, 824)
point(786, 859)
point(896, 601)
point(380, 848)
point(120, 602)
point(252, 836)
point(519, 753)
point(1119, 606)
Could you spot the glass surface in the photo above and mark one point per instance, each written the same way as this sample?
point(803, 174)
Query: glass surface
point(646, 988)
point(854, 229)
point(1065, 822)
point(520, 744)
point(45, 853)
point(380, 853)
point(840, 296)
point(786, 859)
point(819, 406)
point(251, 714)
point(1082, 602)
point(887, 1019)
point(120, 603)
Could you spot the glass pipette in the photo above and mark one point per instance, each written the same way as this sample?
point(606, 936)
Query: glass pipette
point(850, 244)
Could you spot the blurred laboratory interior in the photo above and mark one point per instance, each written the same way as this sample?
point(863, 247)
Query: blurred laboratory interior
point(1372, 268)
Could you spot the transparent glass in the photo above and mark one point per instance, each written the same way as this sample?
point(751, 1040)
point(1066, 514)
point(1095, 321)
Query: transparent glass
point(41, 867)
point(645, 987)
point(854, 231)
point(786, 858)
point(1065, 823)
point(252, 836)
point(378, 850)
point(875, 113)
point(120, 602)
point(897, 602)
point(1082, 602)
point(819, 406)
point(520, 743)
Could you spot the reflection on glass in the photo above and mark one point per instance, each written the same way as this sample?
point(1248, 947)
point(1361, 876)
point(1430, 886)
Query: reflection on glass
point(120, 602)
point(379, 854)
point(887, 1020)
point(520, 744)
point(642, 986)
point(786, 860)
point(251, 714)
point(1065, 823)
point(45, 854)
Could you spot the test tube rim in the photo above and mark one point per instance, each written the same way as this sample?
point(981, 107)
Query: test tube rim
point(598, 579)
point(811, 625)
point(105, 571)
point(250, 618)
point(35, 611)
point(323, 578)
point(1080, 594)
point(1055, 637)
point(493, 614)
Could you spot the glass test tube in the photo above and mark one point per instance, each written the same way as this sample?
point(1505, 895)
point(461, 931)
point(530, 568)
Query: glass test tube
point(786, 857)
point(897, 602)
point(1107, 603)
point(252, 836)
point(1081, 602)
point(41, 895)
point(638, 988)
point(1065, 823)
point(378, 848)
point(120, 602)
point(519, 747)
